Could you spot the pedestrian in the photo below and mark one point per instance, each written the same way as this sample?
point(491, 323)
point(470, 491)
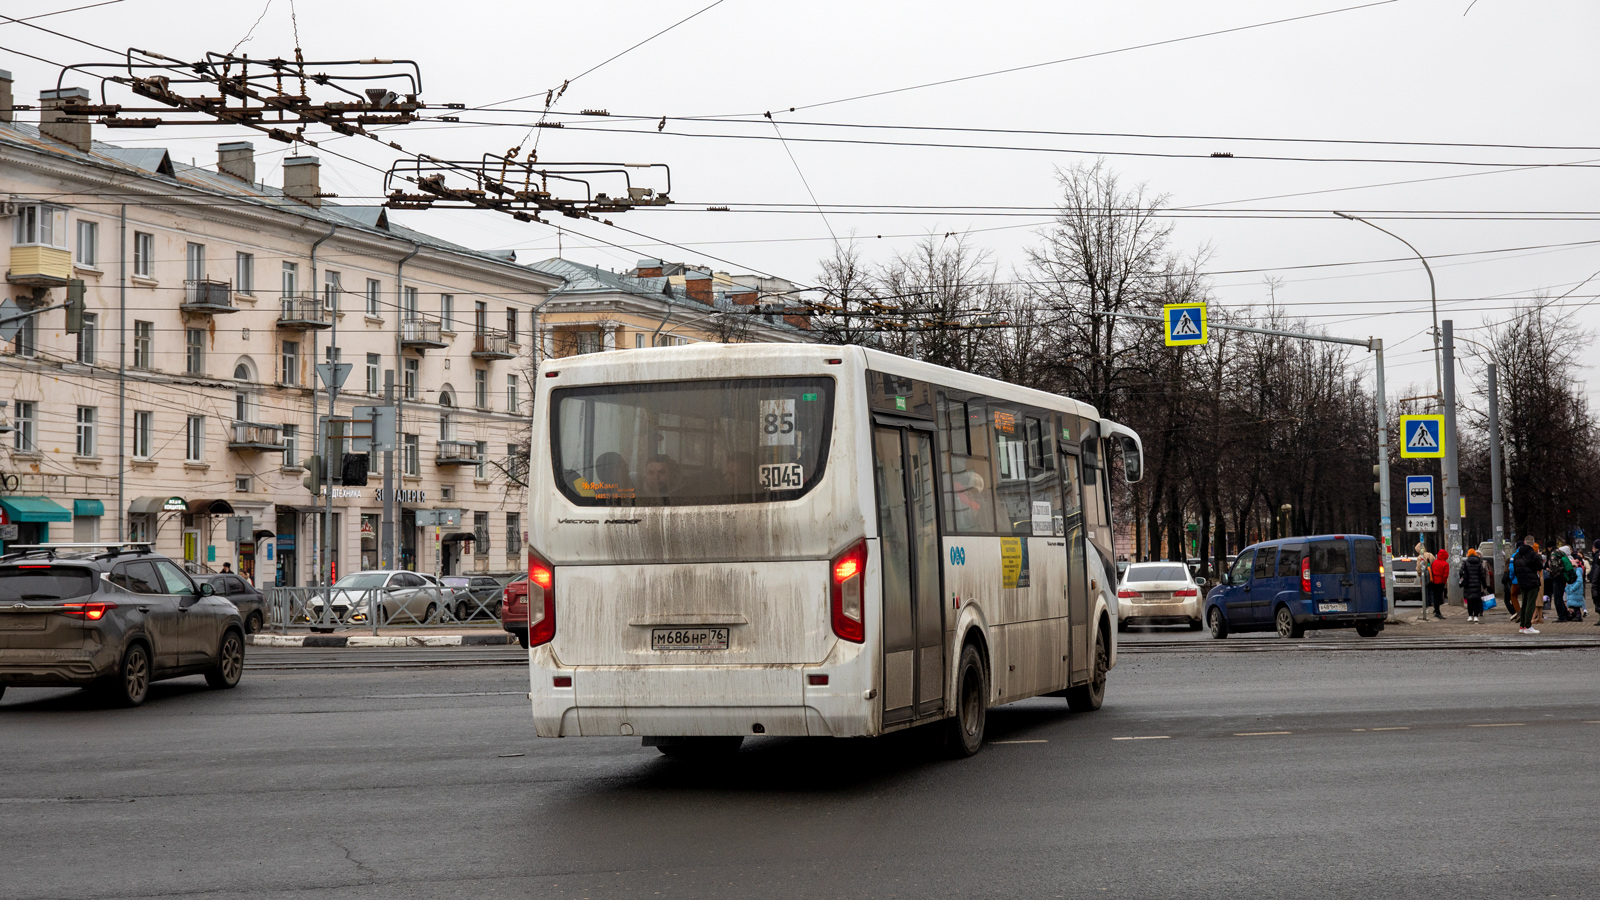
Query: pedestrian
point(1438, 578)
point(227, 568)
point(1508, 581)
point(1525, 567)
point(1574, 591)
point(1557, 570)
point(1475, 579)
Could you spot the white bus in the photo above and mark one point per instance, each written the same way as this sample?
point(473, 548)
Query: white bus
point(737, 539)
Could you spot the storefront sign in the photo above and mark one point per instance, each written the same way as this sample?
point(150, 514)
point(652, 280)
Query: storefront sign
point(175, 504)
point(285, 543)
point(402, 496)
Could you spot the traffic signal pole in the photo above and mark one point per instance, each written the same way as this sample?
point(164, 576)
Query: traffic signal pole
point(1452, 484)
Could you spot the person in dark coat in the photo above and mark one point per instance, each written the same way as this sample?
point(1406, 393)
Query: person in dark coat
point(1475, 581)
point(1526, 566)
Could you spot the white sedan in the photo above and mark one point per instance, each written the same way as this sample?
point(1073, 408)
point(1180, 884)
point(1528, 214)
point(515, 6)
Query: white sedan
point(1159, 593)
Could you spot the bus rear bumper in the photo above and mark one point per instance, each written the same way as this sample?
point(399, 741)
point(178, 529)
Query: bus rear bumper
point(663, 701)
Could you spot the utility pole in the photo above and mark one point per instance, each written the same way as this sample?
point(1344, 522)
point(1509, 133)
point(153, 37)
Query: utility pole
point(1385, 522)
point(1496, 492)
point(1452, 484)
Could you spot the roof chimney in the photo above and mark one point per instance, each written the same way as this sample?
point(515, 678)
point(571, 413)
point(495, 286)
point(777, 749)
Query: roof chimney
point(237, 158)
point(6, 101)
point(648, 268)
point(698, 286)
point(57, 125)
point(302, 180)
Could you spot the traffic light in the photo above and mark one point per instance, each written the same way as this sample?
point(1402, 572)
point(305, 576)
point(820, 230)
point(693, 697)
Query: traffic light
point(353, 469)
point(314, 473)
point(75, 306)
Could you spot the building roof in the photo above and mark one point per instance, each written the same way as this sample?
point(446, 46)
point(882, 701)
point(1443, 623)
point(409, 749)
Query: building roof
point(578, 278)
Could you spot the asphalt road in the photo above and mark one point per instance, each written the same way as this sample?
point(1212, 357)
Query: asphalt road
point(1444, 774)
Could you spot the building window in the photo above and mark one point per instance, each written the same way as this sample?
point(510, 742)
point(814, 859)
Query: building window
point(87, 253)
point(143, 339)
point(330, 291)
point(196, 270)
point(511, 325)
point(638, 340)
point(291, 278)
point(513, 534)
point(244, 273)
point(87, 338)
point(86, 529)
point(480, 534)
point(194, 357)
point(480, 316)
point(144, 252)
point(409, 381)
point(144, 425)
point(291, 363)
point(374, 292)
point(447, 312)
point(480, 388)
point(513, 394)
point(585, 342)
point(241, 483)
point(195, 440)
point(408, 301)
point(482, 470)
point(26, 436)
point(330, 354)
point(373, 362)
point(26, 343)
point(517, 462)
point(86, 443)
point(412, 463)
point(291, 446)
point(45, 225)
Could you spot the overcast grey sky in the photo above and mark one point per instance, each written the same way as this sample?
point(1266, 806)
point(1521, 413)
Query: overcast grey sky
point(1413, 70)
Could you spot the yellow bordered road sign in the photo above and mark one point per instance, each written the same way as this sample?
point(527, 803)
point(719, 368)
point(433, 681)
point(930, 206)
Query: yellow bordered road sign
point(1422, 437)
point(1185, 324)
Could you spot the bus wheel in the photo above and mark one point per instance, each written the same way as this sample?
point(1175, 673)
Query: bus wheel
point(1219, 625)
point(1089, 697)
point(700, 747)
point(972, 705)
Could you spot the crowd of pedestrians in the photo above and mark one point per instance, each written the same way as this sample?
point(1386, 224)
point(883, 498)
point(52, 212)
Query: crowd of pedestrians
point(1534, 578)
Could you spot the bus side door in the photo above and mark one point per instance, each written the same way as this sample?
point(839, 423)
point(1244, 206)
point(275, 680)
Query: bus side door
point(908, 540)
point(1077, 584)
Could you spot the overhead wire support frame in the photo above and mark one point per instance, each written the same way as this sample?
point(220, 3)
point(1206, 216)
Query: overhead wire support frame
point(520, 188)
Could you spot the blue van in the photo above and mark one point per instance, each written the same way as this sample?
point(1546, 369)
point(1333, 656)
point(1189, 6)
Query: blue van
point(1292, 584)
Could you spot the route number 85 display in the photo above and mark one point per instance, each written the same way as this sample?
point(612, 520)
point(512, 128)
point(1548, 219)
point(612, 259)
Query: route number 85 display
point(777, 423)
point(782, 477)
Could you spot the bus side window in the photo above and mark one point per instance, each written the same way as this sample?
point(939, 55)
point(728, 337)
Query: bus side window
point(967, 479)
point(1014, 511)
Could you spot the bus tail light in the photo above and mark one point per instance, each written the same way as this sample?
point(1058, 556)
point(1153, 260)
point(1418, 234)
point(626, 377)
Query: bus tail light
point(541, 600)
point(1305, 574)
point(848, 573)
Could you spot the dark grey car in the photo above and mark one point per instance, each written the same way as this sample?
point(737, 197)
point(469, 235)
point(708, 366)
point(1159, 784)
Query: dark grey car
point(114, 619)
point(242, 594)
point(475, 595)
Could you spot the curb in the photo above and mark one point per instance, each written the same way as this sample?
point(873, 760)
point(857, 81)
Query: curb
point(326, 641)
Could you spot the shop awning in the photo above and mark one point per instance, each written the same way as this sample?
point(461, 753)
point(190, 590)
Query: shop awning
point(143, 506)
point(455, 536)
point(210, 508)
point(34, 509)
point(88, 508)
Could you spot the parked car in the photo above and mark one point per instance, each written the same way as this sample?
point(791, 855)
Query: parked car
point(1295, 584)
point(113, 619)
point(1159, 593)
point(474, 594)
point(514, 609)
point(1407, 582)
point(242, 594)
point(395, 596)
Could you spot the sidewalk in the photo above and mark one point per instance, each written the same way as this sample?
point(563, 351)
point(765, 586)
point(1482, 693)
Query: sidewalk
point(1409, 621)
point(388, 637)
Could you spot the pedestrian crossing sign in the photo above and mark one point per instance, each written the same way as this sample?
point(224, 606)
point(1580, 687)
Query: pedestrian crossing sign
point(1185, 324)
point(1422, 437)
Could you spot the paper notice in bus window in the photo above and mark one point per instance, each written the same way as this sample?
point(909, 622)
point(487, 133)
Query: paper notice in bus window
point(1013, 562)
point(1005, 422)
point(1042, 524)
point(777, 423)
point(782, 477)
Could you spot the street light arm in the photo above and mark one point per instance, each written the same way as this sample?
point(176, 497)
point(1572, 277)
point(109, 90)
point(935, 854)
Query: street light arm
point(1433, 296)
point(1432, 290)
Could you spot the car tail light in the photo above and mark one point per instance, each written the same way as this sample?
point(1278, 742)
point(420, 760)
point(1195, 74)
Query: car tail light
point(1305, 574)
point(94, 612)
point(1185, 592)
point(541, 600)
point(849, 572)
point(1383, 579)
point(1128, 595)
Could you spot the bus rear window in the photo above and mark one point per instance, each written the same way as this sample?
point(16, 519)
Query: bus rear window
point(697, 443)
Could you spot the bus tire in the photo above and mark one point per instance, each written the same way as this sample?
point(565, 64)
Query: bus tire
point(1089, 697)
point(1219, 625)
point(700, 747)
point(965, 729)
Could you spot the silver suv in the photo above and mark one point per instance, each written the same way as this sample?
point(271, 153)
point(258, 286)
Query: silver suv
point(111, 617)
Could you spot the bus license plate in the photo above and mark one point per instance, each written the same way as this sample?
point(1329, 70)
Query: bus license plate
point(689, 638)
point(1333, 607)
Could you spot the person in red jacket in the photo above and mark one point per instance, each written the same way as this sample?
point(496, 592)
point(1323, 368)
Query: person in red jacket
point(1438, 575)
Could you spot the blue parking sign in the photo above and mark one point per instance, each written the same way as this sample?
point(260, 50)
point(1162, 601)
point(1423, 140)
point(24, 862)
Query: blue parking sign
point(1419, 495)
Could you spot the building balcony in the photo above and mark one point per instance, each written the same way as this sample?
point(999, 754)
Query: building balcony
point(207, 297)
point(421, 334)
point(253, 437)
point(36, 265)
point(457, 453)
point(306, 312)
point(491, 344)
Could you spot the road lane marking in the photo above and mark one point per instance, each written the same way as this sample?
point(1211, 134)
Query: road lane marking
point(1144, 737)
point(1392, 728)
point(1592, 722)
point(1498, 725)
point(1258, 733)
point(1020, 742)
point(431, 696)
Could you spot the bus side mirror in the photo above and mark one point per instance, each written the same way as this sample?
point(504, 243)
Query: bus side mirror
point(1132, 460)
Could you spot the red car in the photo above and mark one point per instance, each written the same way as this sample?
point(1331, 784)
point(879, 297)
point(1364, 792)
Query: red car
point(514, 609)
